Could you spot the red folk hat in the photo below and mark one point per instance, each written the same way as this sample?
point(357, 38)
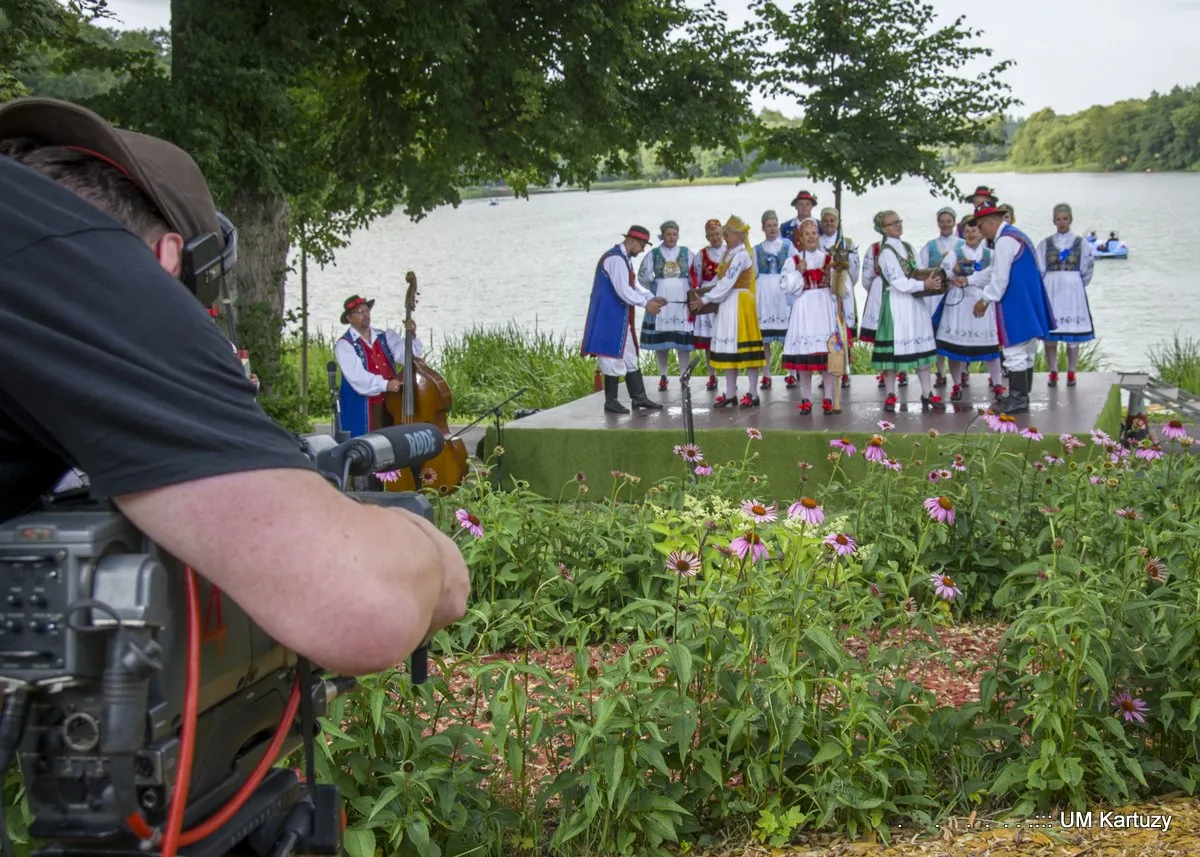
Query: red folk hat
point(641, 233)
point(804, 196)
point(986, 208)
point(353, 302)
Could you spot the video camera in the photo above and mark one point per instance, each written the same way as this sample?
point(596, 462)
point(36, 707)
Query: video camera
point(102, 637)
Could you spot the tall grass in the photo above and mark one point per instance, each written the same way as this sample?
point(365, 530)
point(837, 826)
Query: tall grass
point(1178, 363)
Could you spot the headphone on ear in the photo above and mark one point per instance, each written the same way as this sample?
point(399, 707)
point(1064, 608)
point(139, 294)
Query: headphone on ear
point(206, 258)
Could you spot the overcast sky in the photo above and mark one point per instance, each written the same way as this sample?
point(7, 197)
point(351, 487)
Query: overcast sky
point(1069, 54)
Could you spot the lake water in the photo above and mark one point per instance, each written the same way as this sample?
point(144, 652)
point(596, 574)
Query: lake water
point(531, 261)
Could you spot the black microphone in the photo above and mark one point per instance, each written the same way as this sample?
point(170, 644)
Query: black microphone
point(331, 369)
point(390, 448)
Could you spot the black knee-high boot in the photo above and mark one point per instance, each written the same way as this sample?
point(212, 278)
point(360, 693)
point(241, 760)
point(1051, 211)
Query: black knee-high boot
point(612, 385)
point(637, 392)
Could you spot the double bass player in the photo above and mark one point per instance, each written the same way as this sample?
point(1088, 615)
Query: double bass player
point(371, 362)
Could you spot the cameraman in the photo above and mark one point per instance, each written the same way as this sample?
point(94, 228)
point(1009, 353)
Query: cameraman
point(113, 366)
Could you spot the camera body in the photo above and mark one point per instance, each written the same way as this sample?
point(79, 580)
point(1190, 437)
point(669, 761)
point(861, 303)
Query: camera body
point(94, 628)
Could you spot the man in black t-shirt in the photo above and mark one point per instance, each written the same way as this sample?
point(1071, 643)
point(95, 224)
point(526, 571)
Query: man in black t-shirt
point(111, 365)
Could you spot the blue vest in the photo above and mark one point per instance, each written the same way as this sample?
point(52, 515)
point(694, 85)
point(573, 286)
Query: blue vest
point(935, 255)
point(608, 316)
point(772, 263)
point(355, 407)
point(965, 267)
point(1024, 312)
point(660, 263)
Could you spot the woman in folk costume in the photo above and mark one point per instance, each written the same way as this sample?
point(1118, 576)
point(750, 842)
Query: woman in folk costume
point(961, 336)
point(831, 237)
point(736, 338)
point(931, 256)
point(1066, 261)
point(704, 275)
point(873, 284)
point(904, 339)
point(666, 273)
point(813, 319)
point(773, 305)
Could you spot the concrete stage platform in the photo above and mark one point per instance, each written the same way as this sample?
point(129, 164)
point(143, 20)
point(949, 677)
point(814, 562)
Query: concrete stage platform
point(549, 448)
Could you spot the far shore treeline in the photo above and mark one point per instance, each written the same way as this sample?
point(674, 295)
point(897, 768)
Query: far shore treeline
point(315, 118)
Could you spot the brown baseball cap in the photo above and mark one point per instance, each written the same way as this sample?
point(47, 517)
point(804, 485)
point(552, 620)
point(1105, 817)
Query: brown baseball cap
point(164, 172)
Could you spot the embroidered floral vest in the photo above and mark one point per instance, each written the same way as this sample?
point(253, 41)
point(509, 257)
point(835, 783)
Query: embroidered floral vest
point(1063, 260)
point(966, 267)
point(908, 265)
point(664, 270)
point(771, 263)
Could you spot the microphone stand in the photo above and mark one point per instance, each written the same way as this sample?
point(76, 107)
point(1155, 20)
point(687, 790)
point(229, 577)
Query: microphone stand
point(685, 379)
point(493, 411)
point(338, 435)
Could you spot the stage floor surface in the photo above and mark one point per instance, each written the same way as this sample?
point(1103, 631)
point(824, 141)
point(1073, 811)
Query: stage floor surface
point(1053, 410)
point(551, 448)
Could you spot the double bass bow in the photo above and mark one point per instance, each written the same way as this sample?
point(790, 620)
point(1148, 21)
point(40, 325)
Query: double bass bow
point(425, 397)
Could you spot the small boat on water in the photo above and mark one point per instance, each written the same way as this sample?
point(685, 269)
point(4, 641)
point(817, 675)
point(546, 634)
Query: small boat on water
point(493, 201)
point(1113, 248)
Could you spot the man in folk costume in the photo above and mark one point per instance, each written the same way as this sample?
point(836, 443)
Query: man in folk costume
point(609, 333)
point(804, 203)
point(813, 320)
point(369, 359)
point(832, 241)
point(736, 338)
point(932, 254)
point(1023, 309)
point(1066, 263)
point(905, 338)
point(774, 306)
point(666, 273)
point(704, 276)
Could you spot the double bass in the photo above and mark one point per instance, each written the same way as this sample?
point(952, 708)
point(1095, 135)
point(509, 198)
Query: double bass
point(425, 397)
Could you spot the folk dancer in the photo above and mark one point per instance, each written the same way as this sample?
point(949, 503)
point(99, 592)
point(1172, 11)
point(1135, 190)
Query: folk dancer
point(804, 203)
point(904, 339)
point(1066, 262)
point(831, 235)
point(1024, 312)
point(736, 338)
point(813, 319)
point(868, 327)
point(609, 333)
point(773, 304)
point(665, 272)
point(931, 256)
point(371, 361)
point(704, 275)
point(961, 336)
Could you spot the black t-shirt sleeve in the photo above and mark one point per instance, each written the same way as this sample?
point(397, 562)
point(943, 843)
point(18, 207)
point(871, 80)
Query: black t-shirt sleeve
point(112, 363)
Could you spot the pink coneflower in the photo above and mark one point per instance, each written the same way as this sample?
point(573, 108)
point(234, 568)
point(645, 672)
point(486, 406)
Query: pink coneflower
point(690, 453)
point(683, 563)
point(750, 543)
point(388, 475)
point(1156, 569)
point(1119, 453)
point(1050, 510)
point(703, 470)
point(1052, 459)
point(844, 444)
point(1031, 433)
point(892, 464)
point(807, 508)
point(1174, 430)
point(910, 606)
point(565, 572)
point(428, 476)
point(759, 512)
point(753, 434)
point(469, 523)
point(934, 476)
point(940, 509)
point(1096, 480)
point(960, 464)
point(875, 591)
point(944, 587)
point(1129, 513)
point(934, 433)
point(945, 474)
point(1130, 707)
point(1100, 438)
point(1070, 442)
point(843, 544)
point(804, 465)
point(1150, 453)
point(884, 425)
point(874, 449)
point(677, 450)
point(1003, 424)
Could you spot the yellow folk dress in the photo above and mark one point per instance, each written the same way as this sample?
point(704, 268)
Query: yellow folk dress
point(737, 341)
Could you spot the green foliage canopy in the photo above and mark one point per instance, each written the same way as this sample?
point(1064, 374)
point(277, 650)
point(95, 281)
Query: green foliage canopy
point(882, 92)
